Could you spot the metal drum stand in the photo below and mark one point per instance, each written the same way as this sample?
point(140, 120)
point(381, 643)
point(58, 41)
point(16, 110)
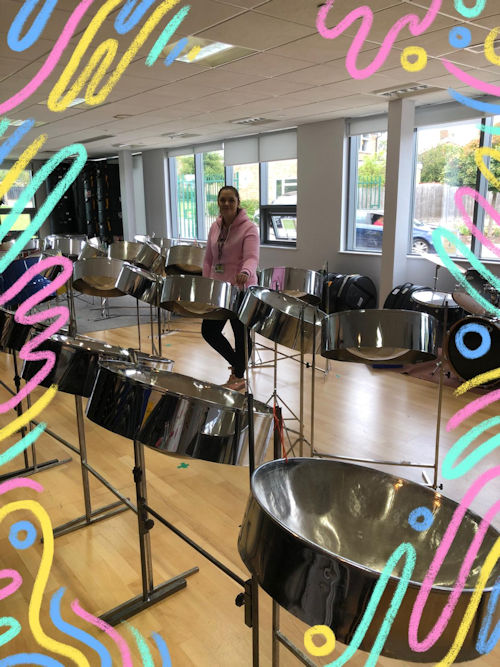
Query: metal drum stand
point(368, 336)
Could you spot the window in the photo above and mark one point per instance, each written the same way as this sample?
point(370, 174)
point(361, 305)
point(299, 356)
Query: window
point(491, 228)
point(245, 178)
point(445, 161)
point(11, 197)
point(367, 160)
point(278, 210)
point(185, 199)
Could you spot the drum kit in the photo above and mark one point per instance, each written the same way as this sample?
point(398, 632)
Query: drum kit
point(313, 533)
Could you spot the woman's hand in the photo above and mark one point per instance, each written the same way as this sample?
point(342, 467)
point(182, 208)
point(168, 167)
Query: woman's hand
point(241, 279)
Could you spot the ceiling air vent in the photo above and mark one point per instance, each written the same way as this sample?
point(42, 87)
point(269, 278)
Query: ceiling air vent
point(406, 90)
point(99, 138)
point(179, 135)
point(253, 121)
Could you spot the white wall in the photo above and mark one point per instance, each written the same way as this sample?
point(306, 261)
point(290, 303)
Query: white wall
point(139, 205)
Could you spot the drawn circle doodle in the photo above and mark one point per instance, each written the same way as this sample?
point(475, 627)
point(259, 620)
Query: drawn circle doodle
point(419, 63)
point(459, 37)
point(421, 518)
point(22, 542)
point(323, 631)
point(477, 352)
point(470, 12)
point(489, 47)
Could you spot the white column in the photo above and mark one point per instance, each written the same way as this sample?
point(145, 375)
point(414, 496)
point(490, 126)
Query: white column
point(156, 192)
point(127, 194)
point(398, 192)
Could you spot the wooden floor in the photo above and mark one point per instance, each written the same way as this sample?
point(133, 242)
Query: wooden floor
point(359, 412)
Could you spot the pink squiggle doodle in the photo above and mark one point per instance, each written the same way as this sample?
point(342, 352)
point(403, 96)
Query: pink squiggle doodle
point(20, 482)
point(52, 59)
point(459, 196)
point(59, 312)
point(415, 25)
point(442, 550)
point(471, 80)
point(110, 631)
point(472, 408)
point(16, 582)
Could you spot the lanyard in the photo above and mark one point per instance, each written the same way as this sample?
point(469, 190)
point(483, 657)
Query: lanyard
point(222, 239)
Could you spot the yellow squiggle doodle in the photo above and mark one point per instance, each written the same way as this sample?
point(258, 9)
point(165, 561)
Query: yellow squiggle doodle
point(35, 409)
point(478, 158)
point(106, 52)
point(489, 46)
point(486, 570)
point(477, 381)
point(41, 582)
point(27, 155)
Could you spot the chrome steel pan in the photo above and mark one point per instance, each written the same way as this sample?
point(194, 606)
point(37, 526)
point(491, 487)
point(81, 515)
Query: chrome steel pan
point(141, 254)
point(161, 244)
point(368, 336)
point(77, 359)
point(485, 289)
point(12, 334)
point(97, 276)
point(317, 534)
point(67, 244)
point(304, 284)
point(184, 259)
point(280, 318)
point(195, 296)
point(140, 284)
point(92, 248)
point(176, 414)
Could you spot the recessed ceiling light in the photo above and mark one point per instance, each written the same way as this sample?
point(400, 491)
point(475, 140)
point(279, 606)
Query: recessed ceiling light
point(207, 52)
point(17, 123)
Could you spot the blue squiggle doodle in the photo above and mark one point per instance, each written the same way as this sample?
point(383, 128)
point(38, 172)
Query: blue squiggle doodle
point(123, 22)
point(30, 659)
point(17, 43)
point(485, 645)
point(474, 104)
point(14, 138)
point(76, 633)
point(163, 649)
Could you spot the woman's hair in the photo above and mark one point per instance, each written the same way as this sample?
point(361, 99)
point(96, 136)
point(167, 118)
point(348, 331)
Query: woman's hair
point(230, 187)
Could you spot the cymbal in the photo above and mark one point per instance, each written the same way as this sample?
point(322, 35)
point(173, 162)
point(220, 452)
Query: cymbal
point(436, 259)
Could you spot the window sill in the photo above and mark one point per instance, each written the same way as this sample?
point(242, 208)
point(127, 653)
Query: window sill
point(278, 247)
point(360, 252)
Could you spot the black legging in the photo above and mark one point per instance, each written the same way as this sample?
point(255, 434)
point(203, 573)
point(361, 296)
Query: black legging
point(211, 330)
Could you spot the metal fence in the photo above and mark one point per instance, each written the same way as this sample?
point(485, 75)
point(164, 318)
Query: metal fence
point(186, 204)
point(370, 193)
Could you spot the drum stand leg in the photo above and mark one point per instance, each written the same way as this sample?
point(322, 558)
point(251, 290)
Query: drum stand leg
point(275, 397)
point(90, 516)
point(72, 311)
point(150, 593)
point(138, 323)
point(35, 466)
point(159, 331)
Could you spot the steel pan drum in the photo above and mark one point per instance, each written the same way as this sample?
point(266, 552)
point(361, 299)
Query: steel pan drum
point(92, 248)
point(485, 289)
point(77, 360)
point(304, 284)
point(184, 259)
point(473, 347)
point(140, 284)
point(368, 336)
point(317, 534)
point(97, 276)
point(278, 317)
point(68, 245)
point(195, 296)
point(176, 414)
point(12, 334)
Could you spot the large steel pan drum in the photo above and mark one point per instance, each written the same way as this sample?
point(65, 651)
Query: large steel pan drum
point(140, 284)
point(195, 296)
point(93, 248)
point(304, 284)
point(368, 336)
point(280, 318)
point(317, 534)
point(97, 276)
point(12, 334)
point(176, 414)
point(67, 244)
point(184, 259)
point(77, 360)
point(141, 254)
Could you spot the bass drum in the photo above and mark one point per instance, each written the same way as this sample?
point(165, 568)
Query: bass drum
point(473, 347)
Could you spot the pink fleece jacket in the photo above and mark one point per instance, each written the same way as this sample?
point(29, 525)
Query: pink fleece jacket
point(240, 251)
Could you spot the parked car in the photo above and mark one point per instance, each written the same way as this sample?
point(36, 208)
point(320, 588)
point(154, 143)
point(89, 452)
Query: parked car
point(370, 226)
point(289, 199)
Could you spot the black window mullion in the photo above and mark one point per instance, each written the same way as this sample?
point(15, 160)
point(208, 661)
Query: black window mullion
point(485, 140)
